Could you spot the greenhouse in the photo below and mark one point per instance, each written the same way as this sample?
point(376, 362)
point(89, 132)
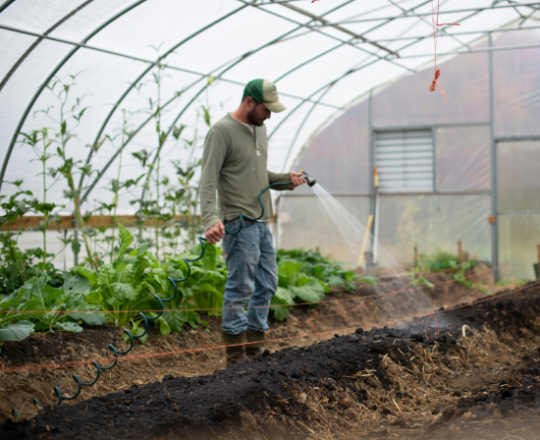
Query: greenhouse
point(269, 219)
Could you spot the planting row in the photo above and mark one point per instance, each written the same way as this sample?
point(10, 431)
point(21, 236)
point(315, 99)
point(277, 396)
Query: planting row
point(114, 291)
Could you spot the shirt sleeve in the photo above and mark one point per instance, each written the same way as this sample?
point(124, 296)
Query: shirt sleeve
point(279, 177)
point(214, 153)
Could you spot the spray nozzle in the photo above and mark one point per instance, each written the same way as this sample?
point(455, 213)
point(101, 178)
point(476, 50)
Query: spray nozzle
point(310, 180)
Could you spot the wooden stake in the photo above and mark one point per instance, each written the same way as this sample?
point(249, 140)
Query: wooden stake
point(460, 252)
point(538, 252)
point(366, 236)
point(415, 255)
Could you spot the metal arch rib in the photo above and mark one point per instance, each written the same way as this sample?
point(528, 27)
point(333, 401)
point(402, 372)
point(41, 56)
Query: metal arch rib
point(423, 20)
point(143, 60)
point(142, 75)
point(330, 36)
point(39, 40)
point(300, 25)
point(447, 11)
point(344, 76)
point(115, 155)
point(4, 5)
point(117, 152)
point(344, 43)
point(243, 58)
point(50, 76)
point(338, 27)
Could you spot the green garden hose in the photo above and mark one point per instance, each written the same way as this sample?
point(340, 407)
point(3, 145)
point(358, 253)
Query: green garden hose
point(249, 219)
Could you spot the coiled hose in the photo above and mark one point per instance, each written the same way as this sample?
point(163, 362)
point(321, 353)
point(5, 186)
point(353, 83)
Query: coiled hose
point(145, 318)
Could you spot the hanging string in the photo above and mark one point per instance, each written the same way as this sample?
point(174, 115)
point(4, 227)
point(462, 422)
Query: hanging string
point(436, 25)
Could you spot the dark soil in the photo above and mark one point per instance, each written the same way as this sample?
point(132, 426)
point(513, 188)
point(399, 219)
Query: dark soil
point(40, 346)
point(266, 394)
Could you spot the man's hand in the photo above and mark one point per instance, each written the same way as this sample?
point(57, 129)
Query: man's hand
point(296, 180)
point(215, 233)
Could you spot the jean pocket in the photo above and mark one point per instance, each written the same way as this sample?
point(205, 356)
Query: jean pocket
point(248, 225)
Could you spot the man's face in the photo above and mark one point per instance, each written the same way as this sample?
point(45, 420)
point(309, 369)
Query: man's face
point(258, 114)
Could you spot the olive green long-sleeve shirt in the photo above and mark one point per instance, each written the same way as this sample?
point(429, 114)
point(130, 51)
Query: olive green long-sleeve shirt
point(234, 165)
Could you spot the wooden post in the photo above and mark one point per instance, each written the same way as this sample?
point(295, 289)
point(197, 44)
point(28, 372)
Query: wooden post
point(538, 252)
point(366, 237)
point(460, 252)
point(415, 255)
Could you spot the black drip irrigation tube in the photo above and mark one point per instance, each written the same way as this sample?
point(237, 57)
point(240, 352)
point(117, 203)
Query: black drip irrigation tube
point(311, 181)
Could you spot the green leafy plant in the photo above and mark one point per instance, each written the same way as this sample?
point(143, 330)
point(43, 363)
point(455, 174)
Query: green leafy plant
point(442, 261)
point(12, 325)
point(321, 268)
point(305, 277)
point(418, 279)
point(128, 283)
point(202, 290)
point(137, 330)
point(39, 302)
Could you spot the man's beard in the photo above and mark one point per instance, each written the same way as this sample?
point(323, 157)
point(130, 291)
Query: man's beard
point(252, 117)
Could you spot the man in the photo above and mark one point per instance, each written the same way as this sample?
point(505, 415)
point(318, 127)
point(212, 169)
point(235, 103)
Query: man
point(234, 165)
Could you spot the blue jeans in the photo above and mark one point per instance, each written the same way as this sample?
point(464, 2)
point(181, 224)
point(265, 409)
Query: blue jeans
point(252, 279)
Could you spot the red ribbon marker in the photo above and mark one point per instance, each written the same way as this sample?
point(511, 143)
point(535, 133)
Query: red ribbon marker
point(436, 25)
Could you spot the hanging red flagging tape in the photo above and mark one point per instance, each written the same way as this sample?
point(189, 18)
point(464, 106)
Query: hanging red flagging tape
point(436, 25)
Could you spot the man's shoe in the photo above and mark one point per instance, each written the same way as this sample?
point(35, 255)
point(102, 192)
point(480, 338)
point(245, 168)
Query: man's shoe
point(236, 353)
point(255, 347)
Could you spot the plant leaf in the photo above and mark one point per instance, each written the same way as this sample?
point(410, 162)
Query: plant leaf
point(312, 292)
point(125, 238)
point(90, 319)
point(69, 327)
point(17, 332)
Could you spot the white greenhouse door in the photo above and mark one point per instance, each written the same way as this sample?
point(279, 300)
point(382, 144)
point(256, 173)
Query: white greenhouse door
point(518, 206)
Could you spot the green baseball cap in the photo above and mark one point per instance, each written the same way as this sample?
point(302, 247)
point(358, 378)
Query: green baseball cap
point(262, 90)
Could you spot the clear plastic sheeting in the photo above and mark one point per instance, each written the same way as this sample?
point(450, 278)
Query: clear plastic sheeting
point(435, 223)
point(338, 157)
point(516, 79)
point(518, 237)
point(303, 223)
point(463, 159)
point(518, 176)
point(408, 102)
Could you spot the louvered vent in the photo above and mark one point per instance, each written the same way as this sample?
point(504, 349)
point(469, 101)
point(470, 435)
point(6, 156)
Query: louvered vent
point(405, 161)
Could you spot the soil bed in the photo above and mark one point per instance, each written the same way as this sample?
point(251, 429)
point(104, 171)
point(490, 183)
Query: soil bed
point(380, 383)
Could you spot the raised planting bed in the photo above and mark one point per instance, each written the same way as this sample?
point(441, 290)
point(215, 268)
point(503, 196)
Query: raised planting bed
point(380, 383)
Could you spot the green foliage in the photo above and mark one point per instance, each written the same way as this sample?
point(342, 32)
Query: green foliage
point(41, 304)
point(418, 279)
point(136, 330)
point(442, 261)
point(305, 277)
point(17, 331)
point(202, 290)
point(128, 283)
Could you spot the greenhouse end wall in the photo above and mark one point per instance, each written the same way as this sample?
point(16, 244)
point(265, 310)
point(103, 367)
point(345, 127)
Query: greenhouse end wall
point(485, 179)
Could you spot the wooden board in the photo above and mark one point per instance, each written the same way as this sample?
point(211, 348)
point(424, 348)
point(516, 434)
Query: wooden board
point(95, 221)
